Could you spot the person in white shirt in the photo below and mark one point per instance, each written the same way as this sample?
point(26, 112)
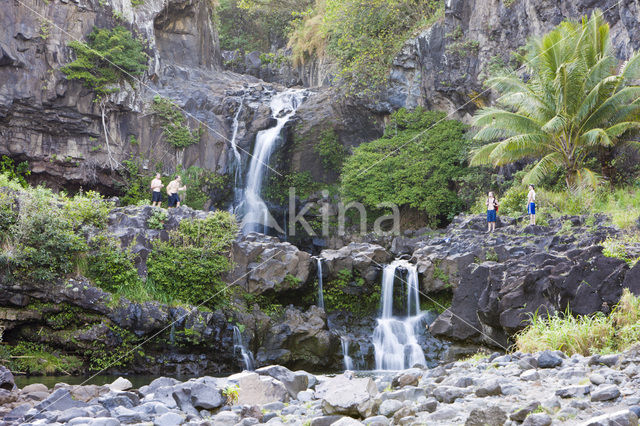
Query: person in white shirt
point(492, 210)
point(531, 205)
point(172, 191)
point(156, 195)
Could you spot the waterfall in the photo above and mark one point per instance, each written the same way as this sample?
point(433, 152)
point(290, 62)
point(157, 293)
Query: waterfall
point(320, 291)
point(256, 215)
point(395, 339)
point(347, 360)
point(238, 346)
point(234, 145)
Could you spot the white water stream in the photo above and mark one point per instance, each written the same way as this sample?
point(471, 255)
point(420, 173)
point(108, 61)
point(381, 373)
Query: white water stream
point(395, 339)
point(238, 346)
point(255, 214)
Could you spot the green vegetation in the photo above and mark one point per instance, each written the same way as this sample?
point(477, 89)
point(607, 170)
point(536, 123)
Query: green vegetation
point(577, 104)
point(330, 150)
point(436, 302)
point(414, 165)
point(109, 57)
point(348, 293)
point(278, 186)
point(618, 248)
point(584, 335)
point(36, 359)
point(157, 219)
point(174, 123)
point(15, 172)
point(189, 266)
point(231, 394)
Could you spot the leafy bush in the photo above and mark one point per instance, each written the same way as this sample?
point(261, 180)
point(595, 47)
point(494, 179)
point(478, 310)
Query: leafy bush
point(36, 359)
point(157, 219)
point(15, 172)
point(43, 243)
point(415, 165)
point(189, 266)
point(135, 183)
point(109, 57)
point(331, 151)
point(113, 269)
point(586, 334)
point(88, 208)
point(173, 122)
point(347, 293)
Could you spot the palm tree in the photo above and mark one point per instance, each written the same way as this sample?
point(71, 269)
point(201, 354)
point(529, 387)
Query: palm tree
point(576, 101)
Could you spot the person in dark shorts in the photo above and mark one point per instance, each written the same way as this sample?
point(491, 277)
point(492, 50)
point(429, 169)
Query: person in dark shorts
point(156, 194)
point(172, 191)
point(492, 210)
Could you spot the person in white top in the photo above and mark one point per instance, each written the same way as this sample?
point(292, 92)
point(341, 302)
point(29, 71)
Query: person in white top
point(492, 210)
point(156, 187)
point(172, 191)
point(531, 205)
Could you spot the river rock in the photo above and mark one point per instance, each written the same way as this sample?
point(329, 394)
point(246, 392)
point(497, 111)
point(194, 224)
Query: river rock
point(168, 419)
point(257, 390)
point(206, 397)
point(6, 379)
point(573, 391)
point(537, 419)
point(618, 418)
point(521, 413)
point(389, 407)
point(351, 397)
point(120, 384)
point(376, 421)
point(605, 393)
point(59, 400)
point(365, 258)
point(294, 383)
point(448, 394)
point(486, 416)
point(548, 359)
point(34, 387)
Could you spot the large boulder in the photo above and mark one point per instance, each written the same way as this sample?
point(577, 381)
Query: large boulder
point(6, 379)
point(299, 340)
point(294, 383)
point(348, 396)
point(363, 258)
point(258, 390)
point(264, 263)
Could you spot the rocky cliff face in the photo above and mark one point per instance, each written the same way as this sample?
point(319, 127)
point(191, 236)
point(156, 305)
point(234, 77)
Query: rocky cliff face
point(444, 67)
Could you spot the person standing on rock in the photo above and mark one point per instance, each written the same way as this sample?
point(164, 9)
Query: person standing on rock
point(492, 210)
point(531, 205)
point(156, 195)
point(172, 191)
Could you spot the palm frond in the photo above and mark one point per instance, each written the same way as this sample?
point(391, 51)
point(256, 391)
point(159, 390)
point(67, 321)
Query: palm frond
point(547, 165)
point(480, 156)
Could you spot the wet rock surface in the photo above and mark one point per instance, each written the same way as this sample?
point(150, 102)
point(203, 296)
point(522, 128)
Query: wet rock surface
point(449, 394)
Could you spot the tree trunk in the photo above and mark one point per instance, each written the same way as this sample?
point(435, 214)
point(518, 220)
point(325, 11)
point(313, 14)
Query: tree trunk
point(606, 156)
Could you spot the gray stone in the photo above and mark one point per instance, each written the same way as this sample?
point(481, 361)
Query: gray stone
point(352, 397)
point(158, 383)
point(549, 359)
point(59, 400)
point(618, 418)
point(597, 379)
point(153, 407)
point(573, 391)
point(258, 390)
point(567, 413)
point(605, 393)
point(182, 396)
point(376, 421)
point(519, 414)
point(346, 421)
point(119, 399)
point(324, 420)
point(490, 388)
point(248, 421)
point(120, 384)
point(72, 413)
point(537, 419)
point(464, 382)
point(99, 421)
point(445, 413)
point(225, 418)
point(127, 415)
point(552, 404)
point(305, 396)
point(163, 395)
point(7, 381)
point(273, 406)
point(571, 373)
point(609, 360)
point(429, 405)
point(635, 409)
point(389, 407)
point(410, 377)
point(486, 416)
point(293, 382)
point(527, 363)
point(35, 387)
point(206, 397)
point(530, 375)
point(448, 394)
point(17, 413)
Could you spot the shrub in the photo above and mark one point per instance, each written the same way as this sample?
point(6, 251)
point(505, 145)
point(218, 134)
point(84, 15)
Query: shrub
point(347, 293)
point(173, 122)
point(44, 244)
point(157, 219)
point(14, 172)
point(586, 334)
point(88, 208)
point(330, 150)
point(189, 266)
point(113, 269)
point(415, 165)
point(109, 57)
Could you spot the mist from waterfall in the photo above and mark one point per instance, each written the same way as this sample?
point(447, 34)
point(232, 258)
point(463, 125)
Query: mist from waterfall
point(253, 210)
point(395, 339)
